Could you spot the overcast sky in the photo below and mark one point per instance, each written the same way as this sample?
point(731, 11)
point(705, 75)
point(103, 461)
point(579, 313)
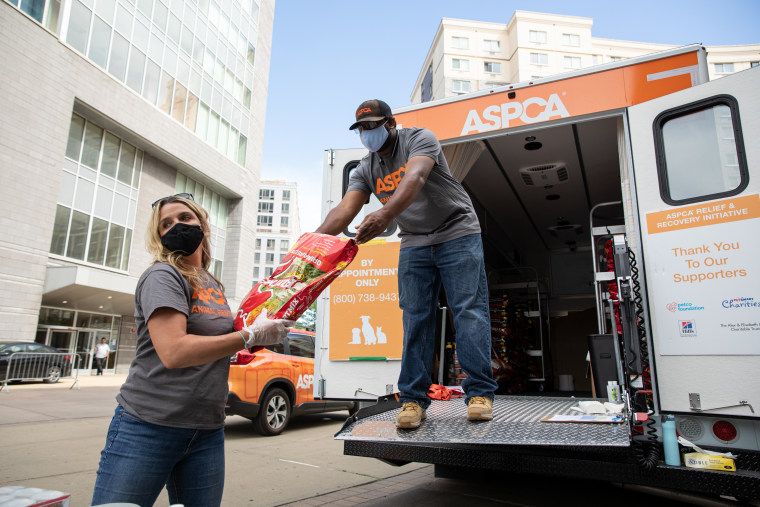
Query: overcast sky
point(329, 56)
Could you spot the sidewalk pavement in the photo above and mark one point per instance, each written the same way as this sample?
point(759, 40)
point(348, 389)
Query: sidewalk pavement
point(106, 380)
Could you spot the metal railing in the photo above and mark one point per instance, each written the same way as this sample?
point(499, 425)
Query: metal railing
point(48, 367)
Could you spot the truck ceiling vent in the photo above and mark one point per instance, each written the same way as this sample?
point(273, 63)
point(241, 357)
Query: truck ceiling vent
point(545, 174)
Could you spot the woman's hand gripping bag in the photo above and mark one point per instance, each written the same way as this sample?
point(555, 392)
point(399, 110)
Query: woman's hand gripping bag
point(305, 271)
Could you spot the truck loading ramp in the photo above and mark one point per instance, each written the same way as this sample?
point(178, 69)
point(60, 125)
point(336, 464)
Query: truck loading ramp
point(517, 420)
point(517, 441)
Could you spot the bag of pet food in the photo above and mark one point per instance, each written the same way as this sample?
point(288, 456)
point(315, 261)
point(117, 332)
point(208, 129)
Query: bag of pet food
point(305, 271)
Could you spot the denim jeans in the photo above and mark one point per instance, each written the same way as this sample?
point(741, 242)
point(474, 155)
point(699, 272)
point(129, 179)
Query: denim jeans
point(459, 265)
point(140, 458)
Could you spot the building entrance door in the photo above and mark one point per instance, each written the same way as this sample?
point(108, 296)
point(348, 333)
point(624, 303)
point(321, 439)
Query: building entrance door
point(61, 339)
point(84, 351)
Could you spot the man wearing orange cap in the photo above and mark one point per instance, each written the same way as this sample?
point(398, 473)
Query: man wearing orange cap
point(440, 244)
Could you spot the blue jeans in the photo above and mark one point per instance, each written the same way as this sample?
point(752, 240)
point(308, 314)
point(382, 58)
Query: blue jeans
point(140, 458)
point(459, 265)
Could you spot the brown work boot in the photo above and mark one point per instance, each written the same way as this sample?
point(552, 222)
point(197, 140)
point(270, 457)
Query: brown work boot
point(410, 416)
point(479, 408)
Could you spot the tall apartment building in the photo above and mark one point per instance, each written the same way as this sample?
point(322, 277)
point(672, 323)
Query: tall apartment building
point(109, 105)
point(468, 56)
point(277, 225)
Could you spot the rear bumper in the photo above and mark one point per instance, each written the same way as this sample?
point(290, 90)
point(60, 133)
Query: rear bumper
point(236, 406)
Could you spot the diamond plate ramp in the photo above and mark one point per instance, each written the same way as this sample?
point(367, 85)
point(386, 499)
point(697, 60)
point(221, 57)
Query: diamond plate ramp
point(516, 421)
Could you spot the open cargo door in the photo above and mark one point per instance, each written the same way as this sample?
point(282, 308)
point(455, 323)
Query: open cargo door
point(696, 158)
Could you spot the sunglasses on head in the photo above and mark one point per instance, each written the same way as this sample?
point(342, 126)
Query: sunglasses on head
point(183, 195)
point(369, 125)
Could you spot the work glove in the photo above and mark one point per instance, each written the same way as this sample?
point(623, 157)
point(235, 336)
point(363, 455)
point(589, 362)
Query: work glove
point(265, 331)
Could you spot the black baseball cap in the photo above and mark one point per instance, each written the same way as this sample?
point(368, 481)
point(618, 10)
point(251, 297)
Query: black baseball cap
point(371, 110)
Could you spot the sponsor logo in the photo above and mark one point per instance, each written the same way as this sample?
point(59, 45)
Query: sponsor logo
point(687, 327)
point(741, 303)
point(683, 307)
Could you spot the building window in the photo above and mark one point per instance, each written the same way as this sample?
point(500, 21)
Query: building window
point(461, 86)
point(217, 207)
point(724, 68)
point(616, 58)
point(266, 207)
point(97, 199)
point(286, 195)
point(269, 258)
point(285, 208)
point(168, 63)
point(264, 220)
point(539, 59)
point(258, 243)
point(266, 194)
point(493, 84)
point(283, 221)
point(539, 37)
point(460, 42)
point(284, 245)
point(255, 274)
point(491, 45)
point(572, 62)
point(426, 92)
point(595, 60)
point(270, 244)
point(460, 64)
point(257, 257)
point(571, 39)
point(268, 271)
point(492, 67)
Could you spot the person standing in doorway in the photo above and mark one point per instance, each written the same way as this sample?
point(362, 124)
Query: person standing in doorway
point(168, 427)
point(440, 245)
point(101, 354)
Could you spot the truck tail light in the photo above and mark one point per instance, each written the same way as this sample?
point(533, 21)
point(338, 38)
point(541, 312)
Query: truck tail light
point(724, 430)
point(242, 358)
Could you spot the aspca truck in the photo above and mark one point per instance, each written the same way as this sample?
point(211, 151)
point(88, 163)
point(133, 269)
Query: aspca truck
point(620, 216)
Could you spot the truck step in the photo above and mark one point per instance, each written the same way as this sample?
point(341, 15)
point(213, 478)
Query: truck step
point(517, 420)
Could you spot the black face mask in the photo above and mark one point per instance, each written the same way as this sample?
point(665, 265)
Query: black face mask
point(183, 239)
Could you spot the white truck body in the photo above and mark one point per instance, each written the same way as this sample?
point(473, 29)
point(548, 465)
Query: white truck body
point(539, 160)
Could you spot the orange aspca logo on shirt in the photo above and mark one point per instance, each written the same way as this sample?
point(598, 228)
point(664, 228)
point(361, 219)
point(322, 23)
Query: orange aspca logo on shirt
point(390, 182)
point(210, 295)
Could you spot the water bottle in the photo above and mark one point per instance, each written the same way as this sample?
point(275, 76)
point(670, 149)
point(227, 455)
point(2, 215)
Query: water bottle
point(670, 441)
point(613, 391)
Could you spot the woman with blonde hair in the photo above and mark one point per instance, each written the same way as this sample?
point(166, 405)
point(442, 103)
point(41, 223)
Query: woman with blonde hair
point(168, 428)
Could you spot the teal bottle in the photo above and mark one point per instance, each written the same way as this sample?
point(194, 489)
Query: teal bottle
point(670, 441)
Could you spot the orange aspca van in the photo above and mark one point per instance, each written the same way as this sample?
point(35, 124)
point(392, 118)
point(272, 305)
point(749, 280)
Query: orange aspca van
point(271, 385)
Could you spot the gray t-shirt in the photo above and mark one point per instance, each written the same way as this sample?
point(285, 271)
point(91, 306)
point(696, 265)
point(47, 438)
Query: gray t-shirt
point(442, 211)
point(191, 397)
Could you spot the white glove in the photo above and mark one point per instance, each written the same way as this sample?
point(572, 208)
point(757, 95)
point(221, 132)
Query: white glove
point(265, 331)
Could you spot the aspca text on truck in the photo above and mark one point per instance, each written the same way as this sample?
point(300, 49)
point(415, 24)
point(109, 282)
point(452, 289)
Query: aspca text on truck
point(620, 212)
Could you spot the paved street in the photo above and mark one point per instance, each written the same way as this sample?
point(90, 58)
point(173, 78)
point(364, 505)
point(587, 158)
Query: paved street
point(51, 437)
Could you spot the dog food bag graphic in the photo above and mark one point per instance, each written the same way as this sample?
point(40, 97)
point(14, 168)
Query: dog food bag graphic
point(305, 271)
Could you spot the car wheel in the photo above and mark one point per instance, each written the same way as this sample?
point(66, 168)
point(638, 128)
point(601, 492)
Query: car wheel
point(274, 414)
point(53, 375)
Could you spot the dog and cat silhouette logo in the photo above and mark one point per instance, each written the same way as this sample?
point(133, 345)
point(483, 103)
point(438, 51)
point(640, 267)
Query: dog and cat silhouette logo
point(371, 335)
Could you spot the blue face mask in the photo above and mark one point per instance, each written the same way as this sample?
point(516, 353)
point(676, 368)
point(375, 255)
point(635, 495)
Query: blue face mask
point(374, 139)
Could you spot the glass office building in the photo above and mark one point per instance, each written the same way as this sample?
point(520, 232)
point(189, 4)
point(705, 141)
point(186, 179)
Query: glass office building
point(111, 105)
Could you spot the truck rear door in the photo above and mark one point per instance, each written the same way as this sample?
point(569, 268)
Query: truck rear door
point(359, 330)
point(695, 160)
